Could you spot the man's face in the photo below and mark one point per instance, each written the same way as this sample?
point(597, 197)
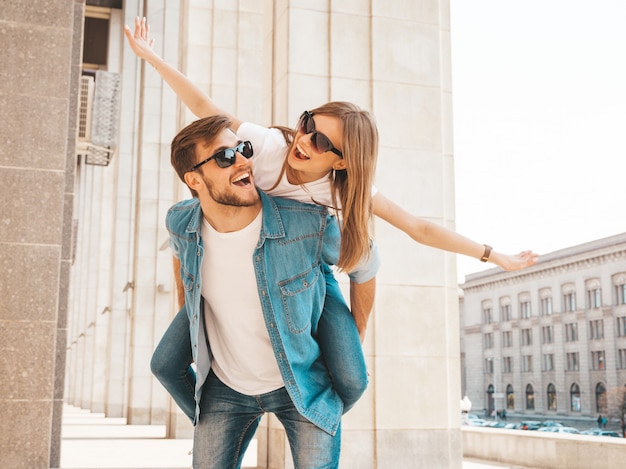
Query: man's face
point(232, 186)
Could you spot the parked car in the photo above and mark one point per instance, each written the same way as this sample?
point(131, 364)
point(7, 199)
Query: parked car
point(476, 422)
point(495, 424)
point(530, 425)
point(560, 429)
point(601, 432)
point(550, 423)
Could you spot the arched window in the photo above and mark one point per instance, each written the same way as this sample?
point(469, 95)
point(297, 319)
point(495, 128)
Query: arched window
point(600, 398)
point(510, 397)
point(574, 398)
point(551, 397)
point(530, 397)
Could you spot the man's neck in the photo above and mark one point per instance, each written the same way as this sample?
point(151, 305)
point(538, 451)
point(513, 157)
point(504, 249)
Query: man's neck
point(228, 218)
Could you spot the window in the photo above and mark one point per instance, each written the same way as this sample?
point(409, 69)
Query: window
point(621, 326)
point(594, 298)
point(596, 329)
point(547, 335)
point(620, 294)
point(546, 305)
point(487, 315)
point(548, 362)
point(507, 339)
point(510, 397)
point(597, 360)
point(524, 306)
point(96, 38)
point(488, 340)
point(506, 364)
point(551, 393)
point(489, 366)
point(527, 363)
point(530, 397)
point(569, 298)
point(571, 332)
point(526, 336)
point(574, 398)
point(573, 362)
point(505, 312)
point(621, 363)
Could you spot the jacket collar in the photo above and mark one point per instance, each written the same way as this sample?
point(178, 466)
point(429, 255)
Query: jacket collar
point(272, 222)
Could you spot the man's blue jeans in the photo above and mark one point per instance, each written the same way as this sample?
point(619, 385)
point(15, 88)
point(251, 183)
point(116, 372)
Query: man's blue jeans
point(228, 421)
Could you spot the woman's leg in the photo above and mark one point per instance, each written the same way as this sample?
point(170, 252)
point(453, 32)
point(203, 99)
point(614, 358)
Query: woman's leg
point(339, 341)
point(171, 364)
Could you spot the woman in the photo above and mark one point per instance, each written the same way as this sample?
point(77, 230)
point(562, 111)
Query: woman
point(329, 159)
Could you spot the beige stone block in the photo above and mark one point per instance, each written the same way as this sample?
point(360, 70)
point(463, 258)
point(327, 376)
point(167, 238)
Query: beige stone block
point(302, 57)
point(424, 11)
point(30, 49)
point(357, 449)
point(351, 90)
point(317, 93)
point(405, 52)
point(27, 367)
point(419, 449)
point(249, 30)
point(224, 67)
point(421, 111)
point(29, 141)
point(350, 48)
point(30, 282)
point(352, 7)
point(411, 321)
point(23, 442)
point(408, 393)
point(410, 178)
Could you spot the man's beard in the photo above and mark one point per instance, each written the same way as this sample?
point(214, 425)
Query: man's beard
point(230, 198)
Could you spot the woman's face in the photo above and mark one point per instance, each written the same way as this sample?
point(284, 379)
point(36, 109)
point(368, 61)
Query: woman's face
point(303, 157)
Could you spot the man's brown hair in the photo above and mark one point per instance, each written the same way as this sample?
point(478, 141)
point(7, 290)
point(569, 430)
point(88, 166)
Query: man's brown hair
point(203, 131)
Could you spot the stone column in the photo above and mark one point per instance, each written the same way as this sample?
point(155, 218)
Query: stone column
point(392, 58)
point(39, 69)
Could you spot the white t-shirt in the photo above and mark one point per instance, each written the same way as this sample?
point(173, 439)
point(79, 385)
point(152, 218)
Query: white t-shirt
point(243, 358)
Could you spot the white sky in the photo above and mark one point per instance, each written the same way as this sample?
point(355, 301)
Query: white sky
point(539, 102)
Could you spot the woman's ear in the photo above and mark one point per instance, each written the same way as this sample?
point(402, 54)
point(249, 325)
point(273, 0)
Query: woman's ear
point(339, 165)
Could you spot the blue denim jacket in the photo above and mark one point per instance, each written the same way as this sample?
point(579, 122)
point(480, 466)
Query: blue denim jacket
point(296, 241)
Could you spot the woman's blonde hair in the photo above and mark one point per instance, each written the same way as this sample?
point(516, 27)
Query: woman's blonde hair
point(352, 187)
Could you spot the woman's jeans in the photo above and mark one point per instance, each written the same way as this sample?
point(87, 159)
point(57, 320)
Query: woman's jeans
point(171, 364)
point(228, 421)
point(337, 336)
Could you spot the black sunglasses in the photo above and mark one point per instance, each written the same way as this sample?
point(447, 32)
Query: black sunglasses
point(228, 156)
point(320, 142)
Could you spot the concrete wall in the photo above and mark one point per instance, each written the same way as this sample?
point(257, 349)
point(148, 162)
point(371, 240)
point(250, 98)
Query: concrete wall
point(538, 450)
point(39, 72)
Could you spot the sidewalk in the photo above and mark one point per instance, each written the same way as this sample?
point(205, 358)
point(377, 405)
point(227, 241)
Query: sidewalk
point(93, 441)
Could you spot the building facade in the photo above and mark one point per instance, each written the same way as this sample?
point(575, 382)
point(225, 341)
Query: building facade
point(549, 340)
point(87, 274)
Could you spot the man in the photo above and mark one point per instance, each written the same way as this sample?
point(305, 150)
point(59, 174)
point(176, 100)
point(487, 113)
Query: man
point(254, 273)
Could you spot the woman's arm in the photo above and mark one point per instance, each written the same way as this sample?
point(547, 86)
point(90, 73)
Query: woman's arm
point(431, 234)
point(194, 98)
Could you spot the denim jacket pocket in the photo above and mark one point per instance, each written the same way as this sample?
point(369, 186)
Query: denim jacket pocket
point(188, 280)
point(299, 299)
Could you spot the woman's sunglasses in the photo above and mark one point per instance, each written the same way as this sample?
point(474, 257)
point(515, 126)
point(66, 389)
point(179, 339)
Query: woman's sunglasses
point(320, 142)
point(228, 156)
